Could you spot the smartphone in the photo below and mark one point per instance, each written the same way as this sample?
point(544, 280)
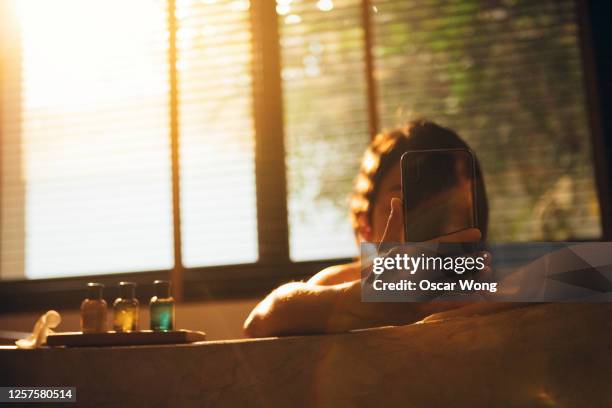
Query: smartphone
point(438, 193)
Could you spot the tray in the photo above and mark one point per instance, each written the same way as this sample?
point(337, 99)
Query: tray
point(141, 337)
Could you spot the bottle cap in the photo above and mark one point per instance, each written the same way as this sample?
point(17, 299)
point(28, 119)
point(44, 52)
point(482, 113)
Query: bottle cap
point(162, 288)
point(127, 290)
point(94, 290)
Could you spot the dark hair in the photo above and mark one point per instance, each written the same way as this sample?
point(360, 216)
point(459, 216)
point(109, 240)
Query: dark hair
point(387, 149)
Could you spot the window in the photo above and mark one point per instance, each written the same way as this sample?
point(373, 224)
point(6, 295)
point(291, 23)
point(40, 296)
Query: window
point(95, 95)
point(218, 205)
point(506, 76)
point(326, 121)
point(86, 157)
point(85, 148)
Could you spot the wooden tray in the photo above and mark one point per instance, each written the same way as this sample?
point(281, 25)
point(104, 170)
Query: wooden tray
point(142, 337)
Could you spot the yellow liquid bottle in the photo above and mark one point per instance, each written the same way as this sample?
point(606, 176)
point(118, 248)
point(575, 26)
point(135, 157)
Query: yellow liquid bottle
point(125, 308)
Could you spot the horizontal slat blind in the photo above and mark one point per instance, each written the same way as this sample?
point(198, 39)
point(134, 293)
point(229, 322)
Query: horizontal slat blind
point(218, 204)
point(326, 126)
point(507, 76)
point(85, 147)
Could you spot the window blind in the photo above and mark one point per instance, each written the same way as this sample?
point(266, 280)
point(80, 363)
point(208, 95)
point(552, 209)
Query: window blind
point(326, 127)
point(85, 146)
point(218, 201)
point(507, 77)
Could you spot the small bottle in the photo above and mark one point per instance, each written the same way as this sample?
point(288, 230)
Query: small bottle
point(93, 310)
point(125, 308)
point(161, 307)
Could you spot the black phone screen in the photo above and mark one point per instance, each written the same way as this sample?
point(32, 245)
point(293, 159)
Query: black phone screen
point(438, 193)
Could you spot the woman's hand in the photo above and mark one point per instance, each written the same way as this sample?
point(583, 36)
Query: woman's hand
point(394, 231)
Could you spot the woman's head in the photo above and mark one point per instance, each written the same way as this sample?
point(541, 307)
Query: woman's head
point(379, 178)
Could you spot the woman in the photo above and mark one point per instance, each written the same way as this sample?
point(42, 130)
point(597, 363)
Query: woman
point(330, 301)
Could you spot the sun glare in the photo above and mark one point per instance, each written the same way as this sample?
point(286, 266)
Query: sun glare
point(67, 42)
point(94, 135)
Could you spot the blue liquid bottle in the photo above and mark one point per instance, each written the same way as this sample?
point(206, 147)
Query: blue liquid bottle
point(161, 307)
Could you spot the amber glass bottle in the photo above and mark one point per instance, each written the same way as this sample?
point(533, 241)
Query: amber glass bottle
point(93, 310)
point(125, 308)
point(161, 307)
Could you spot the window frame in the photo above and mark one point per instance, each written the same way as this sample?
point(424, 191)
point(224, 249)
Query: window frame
point(274, 265)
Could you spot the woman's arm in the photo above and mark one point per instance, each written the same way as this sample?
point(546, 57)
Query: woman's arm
point(302, 308)
point(313, 307)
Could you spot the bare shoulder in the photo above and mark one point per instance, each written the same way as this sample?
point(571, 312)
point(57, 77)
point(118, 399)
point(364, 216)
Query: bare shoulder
point(337, 274)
